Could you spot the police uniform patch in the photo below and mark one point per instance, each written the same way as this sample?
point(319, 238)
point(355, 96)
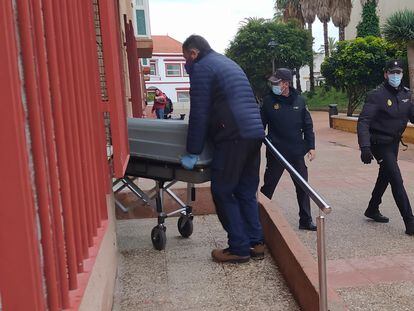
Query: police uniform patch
point(276, 106)
point(389, 103)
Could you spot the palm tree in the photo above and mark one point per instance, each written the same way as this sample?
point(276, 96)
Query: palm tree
point(308, 8)
point(341, 15)
point(290, 10)
point(324, 16)
point(399, 27)
point(332, 43)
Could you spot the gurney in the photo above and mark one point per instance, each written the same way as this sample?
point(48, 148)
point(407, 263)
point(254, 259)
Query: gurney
point(155, 150)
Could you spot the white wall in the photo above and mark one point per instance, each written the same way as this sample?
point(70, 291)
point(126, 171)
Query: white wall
point(304, 72)
point(168, 85)
point(141, 5)
point(385, 8)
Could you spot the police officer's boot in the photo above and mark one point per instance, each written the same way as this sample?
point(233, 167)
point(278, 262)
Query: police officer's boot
point(310, 226)
point(409, 226)
point(375, 215)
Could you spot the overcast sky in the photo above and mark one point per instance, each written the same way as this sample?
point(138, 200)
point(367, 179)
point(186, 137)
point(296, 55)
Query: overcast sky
point(216, 20)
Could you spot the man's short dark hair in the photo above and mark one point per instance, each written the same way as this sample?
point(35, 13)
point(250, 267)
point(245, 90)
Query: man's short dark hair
point(196, 42)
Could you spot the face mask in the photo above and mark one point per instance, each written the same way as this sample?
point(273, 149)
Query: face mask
point(394, 79)
point(276, 89)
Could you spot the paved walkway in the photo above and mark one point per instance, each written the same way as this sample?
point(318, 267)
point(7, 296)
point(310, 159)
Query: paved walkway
point(370, 264)
point(183, 277)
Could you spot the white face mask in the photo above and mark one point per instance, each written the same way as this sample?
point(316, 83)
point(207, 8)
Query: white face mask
point(394, 79)
point(276, 89)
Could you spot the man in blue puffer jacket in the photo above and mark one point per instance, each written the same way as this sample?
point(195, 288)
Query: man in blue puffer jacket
point(224, 111)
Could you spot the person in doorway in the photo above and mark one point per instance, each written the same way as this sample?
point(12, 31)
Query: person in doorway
point(381, 124)
point(290, 129)
point(160, 100)
point(224, 111)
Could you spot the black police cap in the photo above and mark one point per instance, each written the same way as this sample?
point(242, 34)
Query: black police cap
point(394, 64)
point(284, 74)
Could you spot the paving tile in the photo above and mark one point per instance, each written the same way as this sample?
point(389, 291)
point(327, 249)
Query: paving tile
point(380, 297)
point(339, 266)
point(184, 277)
point(404, 260)
point(372, 263)
point(369, 263)
point(348, 279)
point(387, 275)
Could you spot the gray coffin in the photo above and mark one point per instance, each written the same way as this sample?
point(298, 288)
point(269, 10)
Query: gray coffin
point(156, 147)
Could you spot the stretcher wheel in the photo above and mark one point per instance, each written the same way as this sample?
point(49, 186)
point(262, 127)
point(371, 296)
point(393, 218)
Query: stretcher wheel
point(158, 237)
point(185, 225)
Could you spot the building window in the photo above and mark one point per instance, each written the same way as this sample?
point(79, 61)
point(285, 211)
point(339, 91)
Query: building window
point(153, 69)
point(144, 61)
point(185, 74)
point(141, 26)
point(139, 2)
point(183, 96)
point(173, 70)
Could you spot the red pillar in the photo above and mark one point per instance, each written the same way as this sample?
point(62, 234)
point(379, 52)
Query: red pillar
point(21, 279)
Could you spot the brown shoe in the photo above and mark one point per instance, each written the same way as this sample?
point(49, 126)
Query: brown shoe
point(224, 255)
point(257, 251)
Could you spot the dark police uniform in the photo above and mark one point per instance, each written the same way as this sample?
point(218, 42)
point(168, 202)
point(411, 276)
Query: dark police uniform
point(381, 124)
point(291, 132)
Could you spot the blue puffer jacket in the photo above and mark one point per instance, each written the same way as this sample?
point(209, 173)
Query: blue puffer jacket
point(223, 107)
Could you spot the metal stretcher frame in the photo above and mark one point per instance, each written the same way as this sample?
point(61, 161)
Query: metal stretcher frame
point(165, 176)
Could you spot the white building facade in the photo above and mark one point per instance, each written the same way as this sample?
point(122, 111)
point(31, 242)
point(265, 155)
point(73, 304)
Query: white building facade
point(141, 18)
point(304, 72)
point(167, 71)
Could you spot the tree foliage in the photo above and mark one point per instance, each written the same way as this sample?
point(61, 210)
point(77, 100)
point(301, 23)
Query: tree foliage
point(341, 15)
point(332, 43)
point(250, 49)
point(356, 67)
point(324, 15)
point(369, 25)
point(399, 28)
point(309, 9)
point(291, 10)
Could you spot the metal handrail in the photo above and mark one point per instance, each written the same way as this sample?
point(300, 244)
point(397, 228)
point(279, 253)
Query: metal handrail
point(320, 221)
point(319, 201)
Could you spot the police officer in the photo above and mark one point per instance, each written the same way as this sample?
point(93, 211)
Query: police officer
point(381, 123)
point(291, 132)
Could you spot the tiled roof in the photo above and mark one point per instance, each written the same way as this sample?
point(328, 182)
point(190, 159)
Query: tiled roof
point(166, 44)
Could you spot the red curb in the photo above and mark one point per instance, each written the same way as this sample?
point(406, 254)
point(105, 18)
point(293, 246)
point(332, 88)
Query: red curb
point(295, 262)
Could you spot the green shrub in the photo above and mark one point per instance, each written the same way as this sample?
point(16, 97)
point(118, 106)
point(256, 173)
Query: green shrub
point(323, 97)
point(356, 67)
point(369, 24)
point(150, 96)
point(250, 49)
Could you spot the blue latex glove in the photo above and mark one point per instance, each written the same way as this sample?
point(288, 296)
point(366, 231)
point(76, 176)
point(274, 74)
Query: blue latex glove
point(188, 161)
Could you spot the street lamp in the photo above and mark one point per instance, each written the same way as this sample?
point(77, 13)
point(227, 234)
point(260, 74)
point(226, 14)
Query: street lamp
point(273, 44)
